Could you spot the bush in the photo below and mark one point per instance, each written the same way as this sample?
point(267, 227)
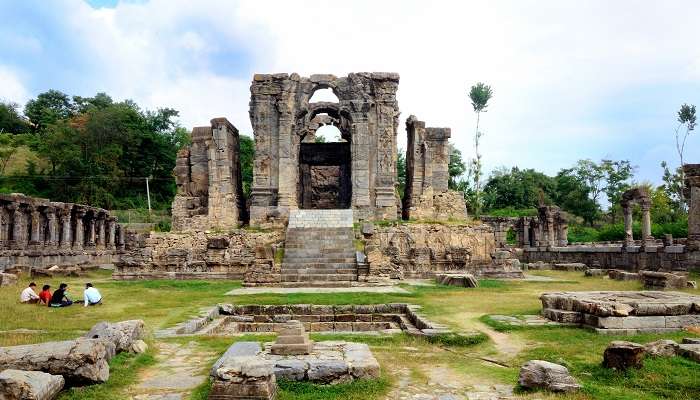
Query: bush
point(580, 233)
point(512, 212)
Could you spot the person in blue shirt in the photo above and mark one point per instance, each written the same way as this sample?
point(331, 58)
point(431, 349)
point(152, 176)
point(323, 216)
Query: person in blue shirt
point(91, 296)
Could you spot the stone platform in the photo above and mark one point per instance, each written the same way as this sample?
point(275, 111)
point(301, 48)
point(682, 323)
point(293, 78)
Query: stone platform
point(624, 312)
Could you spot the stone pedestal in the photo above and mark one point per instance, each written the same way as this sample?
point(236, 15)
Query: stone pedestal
point(292, 340)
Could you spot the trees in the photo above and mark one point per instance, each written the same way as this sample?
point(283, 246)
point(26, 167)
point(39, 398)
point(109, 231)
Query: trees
point(480, 94)
point(247, 157)
point(10, 119)
point(48, 108)
point(516, 188)
point(573, 194)
point(455, 167)
point(687, 120)
point(609, 177)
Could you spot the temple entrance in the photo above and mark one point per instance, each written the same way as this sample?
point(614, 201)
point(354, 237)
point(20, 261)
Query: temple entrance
point(325, 177)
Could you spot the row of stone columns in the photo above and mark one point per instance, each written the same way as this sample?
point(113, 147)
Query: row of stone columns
point(26, 224)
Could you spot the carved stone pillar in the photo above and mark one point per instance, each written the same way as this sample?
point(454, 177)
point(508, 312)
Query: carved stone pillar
point(91, 231)
point(79, 233)
point(100, 231)
point(52, 226)
point(563, 234)
point(551, 235)
point(4, 227)
point(111, 232)
point(627, 212)
point(66, 228)
point(121, 237)
point(646, 224)
point(35, 215)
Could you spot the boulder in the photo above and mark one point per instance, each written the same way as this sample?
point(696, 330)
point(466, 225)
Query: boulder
point(622, 355)
point(538, 374)
point(595, 272)
point(138, 347)
point(691, 351)
point(661, 348)
point(80, 361)
point(7, 279)
point(29, 385)
point(121, 334)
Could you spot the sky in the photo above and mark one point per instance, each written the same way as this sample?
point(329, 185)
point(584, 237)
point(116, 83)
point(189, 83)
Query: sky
point(571, 79)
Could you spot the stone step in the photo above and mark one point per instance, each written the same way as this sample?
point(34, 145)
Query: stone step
point(318, 260)
point(343, 253)
point(319, 271)
point(340, 284)
point(318, 277)
point(286, 266)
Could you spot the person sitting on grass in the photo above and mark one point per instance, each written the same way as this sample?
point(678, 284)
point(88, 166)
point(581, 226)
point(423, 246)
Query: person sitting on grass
point(28, 296)
point(45, 295)
point(59, 298)
point(91, 296)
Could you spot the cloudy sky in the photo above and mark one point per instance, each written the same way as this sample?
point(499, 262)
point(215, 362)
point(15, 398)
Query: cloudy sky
point(572, 79)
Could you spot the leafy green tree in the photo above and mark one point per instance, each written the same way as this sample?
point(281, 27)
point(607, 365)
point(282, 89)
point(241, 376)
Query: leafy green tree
point(455, 167)
point(48, 108)
point(9, 144)
point(686, 124)
point(518, 189)
point(401, 172)
point(480, 94)
point(10, 119)
point(573, 195)
point(673, 187)
point(247, 157)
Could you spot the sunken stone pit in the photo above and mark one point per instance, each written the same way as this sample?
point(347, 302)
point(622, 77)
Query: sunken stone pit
point(229, 319)
point(625, 313)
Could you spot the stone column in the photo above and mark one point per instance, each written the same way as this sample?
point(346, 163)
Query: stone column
point(551, 238)
point(627, 212)
point(121, 237)
point(50, 213)
point(35, 215)
point(646, 224)
point(91, 231)
point(524, 232)
point(692, 194)
point(66, 228)
point(79, 234)
point(100, 228)
point(563, 234)
point(360, 150)
point(4, 227)
point(111, 232)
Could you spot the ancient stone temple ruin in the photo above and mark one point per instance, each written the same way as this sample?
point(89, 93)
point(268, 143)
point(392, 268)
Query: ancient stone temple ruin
point(208, 178)
point(427, 196)
point(37, 233)
point(285, 163)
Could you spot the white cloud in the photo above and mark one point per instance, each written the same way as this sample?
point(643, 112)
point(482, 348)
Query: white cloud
point(554, 65)
point(11, 87)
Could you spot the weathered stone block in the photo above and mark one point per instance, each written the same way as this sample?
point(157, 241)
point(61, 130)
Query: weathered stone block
point(623, 355)
point(29, 385)
point(538, 374)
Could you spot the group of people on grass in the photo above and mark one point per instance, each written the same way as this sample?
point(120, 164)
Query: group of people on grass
point(59, 298)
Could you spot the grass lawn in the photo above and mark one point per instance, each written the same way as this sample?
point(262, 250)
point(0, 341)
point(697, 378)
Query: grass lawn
point(164, 303)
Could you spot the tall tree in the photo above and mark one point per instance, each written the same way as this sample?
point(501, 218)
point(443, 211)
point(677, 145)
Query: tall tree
point(10, 119)
point(480, 94)
point(686, 124)
point(455, 167)
point(48, 108)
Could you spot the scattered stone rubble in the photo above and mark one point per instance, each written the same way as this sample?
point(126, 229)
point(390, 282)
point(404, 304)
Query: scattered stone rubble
point(664, 280)
point(624, 312)
point(39, 371)
point(623, 355)
point(538, 374)
point(29, 385)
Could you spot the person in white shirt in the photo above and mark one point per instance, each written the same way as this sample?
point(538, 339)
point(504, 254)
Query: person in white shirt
point(91, 296)
point(28, 295)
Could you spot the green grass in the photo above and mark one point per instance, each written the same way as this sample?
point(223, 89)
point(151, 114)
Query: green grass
point(165, 303)
point(123, 371)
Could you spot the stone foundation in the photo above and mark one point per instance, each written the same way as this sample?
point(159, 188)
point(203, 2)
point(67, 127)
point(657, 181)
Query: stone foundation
point(200, 255)
point(624, 313)
point(423, 250)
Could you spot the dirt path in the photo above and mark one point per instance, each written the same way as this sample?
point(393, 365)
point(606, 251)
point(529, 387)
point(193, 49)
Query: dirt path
point(178, 370)
point(508, 346)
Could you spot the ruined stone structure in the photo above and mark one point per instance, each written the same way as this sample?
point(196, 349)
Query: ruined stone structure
point(549, 228)
point(427, 196)
point(208, 177)
point(38, 233)
point(282, 117)
point(629, 198)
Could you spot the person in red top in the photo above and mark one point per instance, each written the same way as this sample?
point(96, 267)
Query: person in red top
point(45, 295)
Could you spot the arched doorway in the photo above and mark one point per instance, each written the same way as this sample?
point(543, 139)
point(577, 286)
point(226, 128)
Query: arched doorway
point(325, 176)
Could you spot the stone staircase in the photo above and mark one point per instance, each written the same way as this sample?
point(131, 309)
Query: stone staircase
point(319, 249)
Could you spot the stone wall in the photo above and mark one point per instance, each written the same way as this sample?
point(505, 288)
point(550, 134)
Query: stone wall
point(282, 117)
point(549, 228)
point(427, 196)
point(38, 233)
point(208, 177)
point(199, 255)
point(422, 250)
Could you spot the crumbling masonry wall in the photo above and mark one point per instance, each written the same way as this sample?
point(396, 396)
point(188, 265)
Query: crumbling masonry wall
point(208, 177)
point(427, 196)
point(692, 192)
point(38, 233)
point(281, 116)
